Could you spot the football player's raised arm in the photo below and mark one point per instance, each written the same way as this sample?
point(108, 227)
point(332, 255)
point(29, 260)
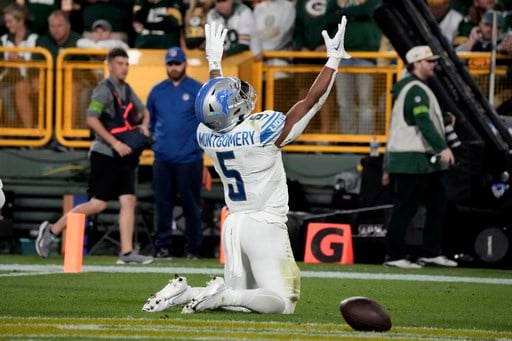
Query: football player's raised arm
point(215, 34)
point(304, 110)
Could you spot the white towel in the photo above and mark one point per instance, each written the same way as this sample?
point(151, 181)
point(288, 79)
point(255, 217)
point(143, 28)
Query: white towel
point(232, 246)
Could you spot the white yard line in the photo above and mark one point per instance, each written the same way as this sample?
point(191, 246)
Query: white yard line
point(28, 269)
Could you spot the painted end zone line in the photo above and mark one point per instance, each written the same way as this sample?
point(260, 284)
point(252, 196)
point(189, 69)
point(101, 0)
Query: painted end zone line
point(27, 269)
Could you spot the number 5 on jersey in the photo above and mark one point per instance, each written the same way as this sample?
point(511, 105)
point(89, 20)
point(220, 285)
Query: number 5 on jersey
point(238, 193)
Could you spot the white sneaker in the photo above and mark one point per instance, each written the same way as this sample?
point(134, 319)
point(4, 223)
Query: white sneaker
point(44, 239)
point(134, 258)
point(208, 299)
point(402, 264)
point(168, 296)
point(438, 261)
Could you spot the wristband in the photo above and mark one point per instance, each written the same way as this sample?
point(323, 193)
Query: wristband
point(214, 65)
point(333, 63)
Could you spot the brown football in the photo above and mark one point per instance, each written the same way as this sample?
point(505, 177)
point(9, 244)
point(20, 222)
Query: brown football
point(364, 314)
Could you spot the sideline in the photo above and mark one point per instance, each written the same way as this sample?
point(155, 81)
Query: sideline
point(30, 270)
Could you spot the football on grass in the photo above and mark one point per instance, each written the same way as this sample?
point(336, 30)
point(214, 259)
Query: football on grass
point(364, 314)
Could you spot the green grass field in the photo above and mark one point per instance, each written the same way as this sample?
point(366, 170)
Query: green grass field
point(104, 301)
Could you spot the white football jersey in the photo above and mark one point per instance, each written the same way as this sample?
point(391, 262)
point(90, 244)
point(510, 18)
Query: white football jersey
point(250, 164)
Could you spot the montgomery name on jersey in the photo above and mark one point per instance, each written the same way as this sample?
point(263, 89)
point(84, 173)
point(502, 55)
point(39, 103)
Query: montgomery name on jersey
point(253, 178)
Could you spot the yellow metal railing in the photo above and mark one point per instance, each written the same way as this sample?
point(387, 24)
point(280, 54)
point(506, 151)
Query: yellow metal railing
point(26, 103)
point(75, 79)
point(331, 140)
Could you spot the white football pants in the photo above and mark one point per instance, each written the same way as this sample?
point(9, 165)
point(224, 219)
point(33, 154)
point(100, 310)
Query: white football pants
point(259, 264)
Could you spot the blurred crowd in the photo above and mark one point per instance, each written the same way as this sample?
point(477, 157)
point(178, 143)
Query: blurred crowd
point(254, 25)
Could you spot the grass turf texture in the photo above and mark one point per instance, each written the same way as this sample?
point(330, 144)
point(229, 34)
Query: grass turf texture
point(447, 304)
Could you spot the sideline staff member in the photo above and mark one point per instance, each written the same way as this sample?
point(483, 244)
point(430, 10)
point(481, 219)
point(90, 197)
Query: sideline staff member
point(178, 163)
point(417, 159)
point(113, 163)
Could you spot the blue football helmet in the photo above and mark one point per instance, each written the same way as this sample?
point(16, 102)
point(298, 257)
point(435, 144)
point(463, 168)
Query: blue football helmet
point(223, 102)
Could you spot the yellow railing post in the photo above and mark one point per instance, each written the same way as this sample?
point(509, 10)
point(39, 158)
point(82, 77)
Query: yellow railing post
point(11, 130)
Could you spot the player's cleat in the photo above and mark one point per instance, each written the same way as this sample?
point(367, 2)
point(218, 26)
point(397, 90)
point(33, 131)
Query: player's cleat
point(134, 258)
point(44, 239)
point(210, 298)
point(171, 295)
point(437, 261)
point(237, 309)
point(402, 264)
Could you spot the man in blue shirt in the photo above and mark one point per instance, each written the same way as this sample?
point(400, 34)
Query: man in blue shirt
point(178, 164)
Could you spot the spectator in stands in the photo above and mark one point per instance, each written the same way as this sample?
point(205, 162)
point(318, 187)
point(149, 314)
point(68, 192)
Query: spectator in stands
point(447, 18)
point(275, 24)
point(113, 163)
point(462, 6)
point(417, 158)
point(39, 12)
point(474, 15)
point(241, 24)
point(25, 85)
point(118, 13)
point(101, 37)
point(159, 24)
point(310, 21)
point(3, 4)
point(480, 38)
point(195, 18)
point(178, 162)
point(60, 34)
point(354, 91)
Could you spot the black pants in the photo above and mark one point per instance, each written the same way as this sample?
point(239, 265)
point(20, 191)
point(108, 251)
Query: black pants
point(410, 191)
point(169, 180)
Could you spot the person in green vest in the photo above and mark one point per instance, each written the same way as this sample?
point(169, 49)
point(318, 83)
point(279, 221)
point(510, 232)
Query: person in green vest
point(417, 158)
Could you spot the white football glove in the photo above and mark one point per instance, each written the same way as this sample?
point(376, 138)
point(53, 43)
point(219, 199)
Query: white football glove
point(215, 35)
point(335, 46)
